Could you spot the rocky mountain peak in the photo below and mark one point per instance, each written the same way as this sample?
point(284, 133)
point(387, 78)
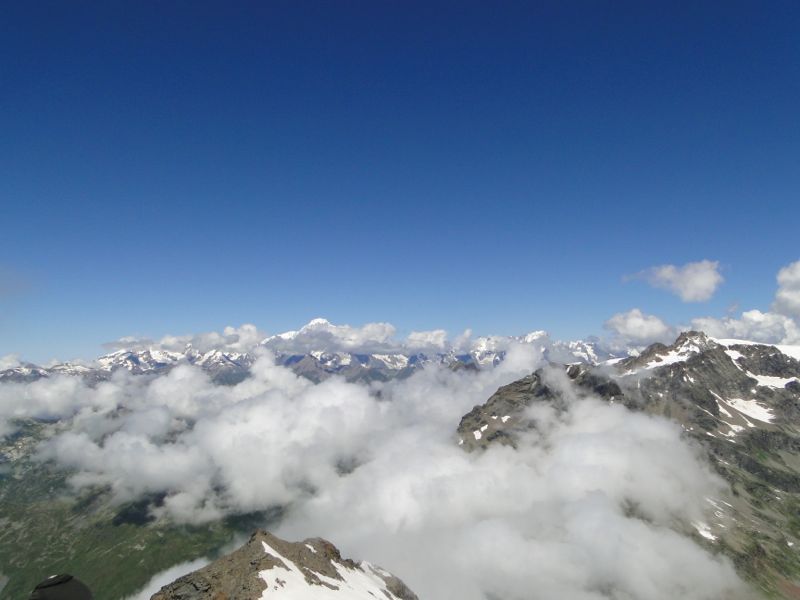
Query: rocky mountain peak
point(269, 567)
point(737, 401)
point(687, 345)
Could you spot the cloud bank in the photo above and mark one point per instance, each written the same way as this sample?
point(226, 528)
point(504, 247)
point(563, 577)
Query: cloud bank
point(553, 516)
point(754, 325)
point(693, 282)
point(592, 503)
point(779, 326)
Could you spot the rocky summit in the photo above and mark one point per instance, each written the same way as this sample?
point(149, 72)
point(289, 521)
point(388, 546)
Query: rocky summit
point(738, 401)
point(268, 567)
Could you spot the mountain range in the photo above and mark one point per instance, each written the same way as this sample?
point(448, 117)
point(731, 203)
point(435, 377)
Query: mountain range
point(316, 351)
point(737, 403)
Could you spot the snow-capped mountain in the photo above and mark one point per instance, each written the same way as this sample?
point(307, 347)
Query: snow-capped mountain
point(738, 401)
point(269, 567)
point(320, 350)
point(719, 386)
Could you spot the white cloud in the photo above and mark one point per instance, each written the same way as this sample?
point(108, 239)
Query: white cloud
point(787, 298)
point(320, 334)
point(436, 339)
point(777, 327)
point(232, 339)
point(638, 328)
point(693, 282)
point(549, 514)
point(9, 361)
point(462, 342)
point(754, 325)
point(385, 479)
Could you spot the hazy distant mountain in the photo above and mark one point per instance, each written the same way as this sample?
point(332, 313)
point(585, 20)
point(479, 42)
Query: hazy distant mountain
point(317, 351)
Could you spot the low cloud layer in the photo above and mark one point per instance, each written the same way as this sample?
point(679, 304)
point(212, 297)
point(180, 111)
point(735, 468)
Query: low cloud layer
point(550, 516)
point(692, 282)
point(597, 501)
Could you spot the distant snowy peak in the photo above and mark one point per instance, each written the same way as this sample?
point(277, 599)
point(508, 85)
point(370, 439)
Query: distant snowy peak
point(139, 361)
point(320, 349)
point(392, 361)
point(285, 336)
point(586, 352)
point(152, 359)
point(267, 567)
point(311, 326)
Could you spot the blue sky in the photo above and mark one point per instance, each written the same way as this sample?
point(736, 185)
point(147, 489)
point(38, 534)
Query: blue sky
point(178, 167)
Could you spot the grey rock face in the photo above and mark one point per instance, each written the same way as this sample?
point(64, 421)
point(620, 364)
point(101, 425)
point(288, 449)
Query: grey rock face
point(766, 360)
point(502, 417)
point(740, 403)
point(285, 570)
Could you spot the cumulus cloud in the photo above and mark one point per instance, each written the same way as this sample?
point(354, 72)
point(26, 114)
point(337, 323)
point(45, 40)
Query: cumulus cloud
point(232, 339)
point(693, 282)
point(436, 339)
point(9, 361)
point(754, 325)
point(787, 298)
point(637, 328)
point(322, 335)
point(596, 500)
point(777, 327)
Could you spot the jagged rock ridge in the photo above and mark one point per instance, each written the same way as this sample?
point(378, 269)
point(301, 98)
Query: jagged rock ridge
point(738, 400)
point(268, 567)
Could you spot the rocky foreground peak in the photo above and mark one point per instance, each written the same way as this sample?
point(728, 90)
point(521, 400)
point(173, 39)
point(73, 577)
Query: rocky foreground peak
point(737, 401)
point(268, 567)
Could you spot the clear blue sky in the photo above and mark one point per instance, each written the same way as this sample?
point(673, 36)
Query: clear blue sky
point(175, 167)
